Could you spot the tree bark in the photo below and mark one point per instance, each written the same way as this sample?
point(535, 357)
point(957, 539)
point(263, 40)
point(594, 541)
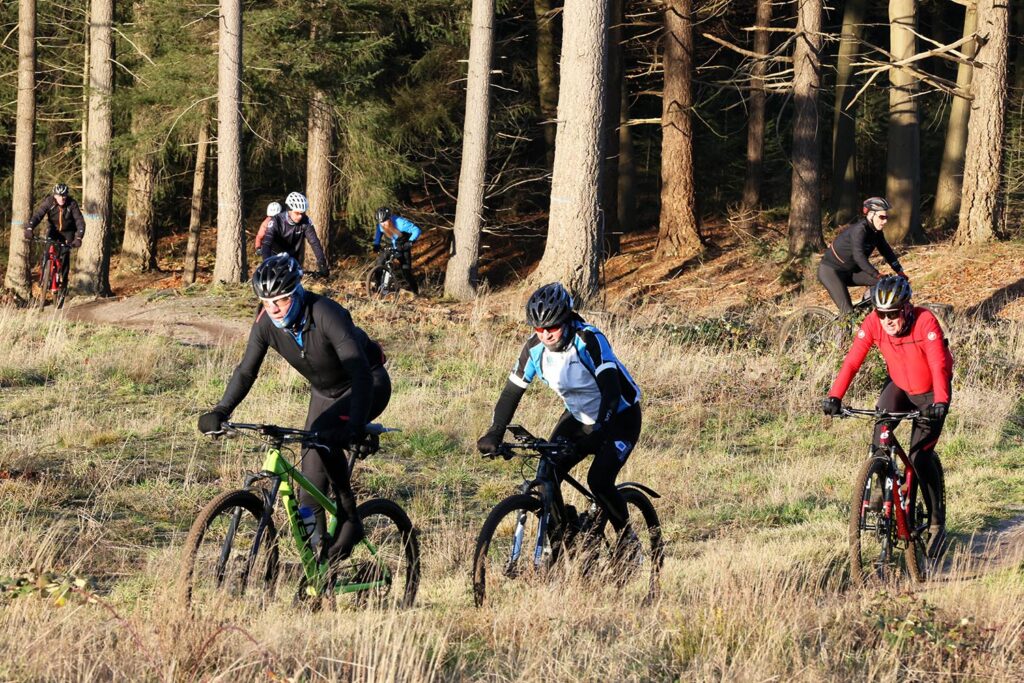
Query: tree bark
point(17, 276)
point(85, 95)
point(981, 201)
point(950, 185)
point(678, 230)
point(547, 72)
point(319, 147)
point(805, 197)
point(903, 172)
point(574, 224)
point(626, 201)
point(845, 193)
point(138, 250)
point(751, 202)
point(461, 278)
point(613, 100)
point(231, 257)
point(196, 212)
point(92, 275)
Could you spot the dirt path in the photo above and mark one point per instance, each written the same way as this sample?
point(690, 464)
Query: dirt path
point(1000, 547)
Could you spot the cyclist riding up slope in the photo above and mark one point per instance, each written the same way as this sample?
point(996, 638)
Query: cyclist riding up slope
point(920, 374)
point(345, 368)
point(602, 402)
point(401, 232)
point(66, 224)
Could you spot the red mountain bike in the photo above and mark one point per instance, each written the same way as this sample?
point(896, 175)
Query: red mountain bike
point(50, 269)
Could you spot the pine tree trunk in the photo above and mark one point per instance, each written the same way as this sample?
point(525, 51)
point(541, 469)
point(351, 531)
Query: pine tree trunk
point(613, 100)
point(574, 224)
point(17, 276)
point(805, 197)
point(845, 193)
point(903, 172)
point(319, 147)
point(547, 71)
point(196, 212)
point(751, 202)
point(92, 275)
point(461, 278)
point(85, 96)
point(138, 250)
point(626, 201)
point(950, 186)
point(231, 257)
point(982, 201)
point(678, 230)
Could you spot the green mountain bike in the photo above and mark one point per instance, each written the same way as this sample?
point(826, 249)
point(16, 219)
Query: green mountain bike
point(232, 548)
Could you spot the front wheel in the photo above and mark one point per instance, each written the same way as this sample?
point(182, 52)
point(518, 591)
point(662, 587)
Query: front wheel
point(810, 330)
point(45, 282)
point(380, 283)
point(384, 568)
point(230, 550)
point(872, 525)
point(509, 550)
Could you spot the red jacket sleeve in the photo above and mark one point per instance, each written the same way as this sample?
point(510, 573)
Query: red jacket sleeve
point(940, 361)
point(862, 343)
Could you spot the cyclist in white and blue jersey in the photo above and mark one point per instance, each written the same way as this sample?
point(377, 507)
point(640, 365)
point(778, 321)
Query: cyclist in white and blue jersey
point(602, 402)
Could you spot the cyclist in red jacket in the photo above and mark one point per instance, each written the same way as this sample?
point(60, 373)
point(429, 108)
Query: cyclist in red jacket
point(920, 374)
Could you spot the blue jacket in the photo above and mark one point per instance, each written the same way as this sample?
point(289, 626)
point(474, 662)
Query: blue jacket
point(404, 225)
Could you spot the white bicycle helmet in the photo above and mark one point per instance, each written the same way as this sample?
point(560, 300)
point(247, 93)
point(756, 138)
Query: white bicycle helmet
point(273, 208)
point(296, 201)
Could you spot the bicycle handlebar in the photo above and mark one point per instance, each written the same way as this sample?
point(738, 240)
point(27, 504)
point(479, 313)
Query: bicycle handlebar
point(46, 240)
point(878, 414)
point(525, 441)
point(288, 435)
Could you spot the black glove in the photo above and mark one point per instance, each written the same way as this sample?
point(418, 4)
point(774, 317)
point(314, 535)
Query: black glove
point(336, 439)
point(368, 445)
point(76, 243)
point(376, 249)
point(935, 411)
point(28, 233)
point(212, 422)
point(489, 442)
point(831, 406)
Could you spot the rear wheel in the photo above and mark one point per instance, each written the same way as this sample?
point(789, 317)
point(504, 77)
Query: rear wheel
point(872, 528)
point(509, 551)
point(634, 562)
point(811, 329)
point(383, 569)
point(918, 563)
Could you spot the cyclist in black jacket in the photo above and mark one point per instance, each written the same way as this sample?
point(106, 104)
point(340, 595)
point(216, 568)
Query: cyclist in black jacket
point(66, 224)
point(287, 231)
point(845, 262)
point(344, 367)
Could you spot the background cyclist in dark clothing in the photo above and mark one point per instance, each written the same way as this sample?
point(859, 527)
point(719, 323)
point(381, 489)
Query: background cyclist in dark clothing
point(66, 224)
point(845, 262)
point(344, 367)
point(289, 230)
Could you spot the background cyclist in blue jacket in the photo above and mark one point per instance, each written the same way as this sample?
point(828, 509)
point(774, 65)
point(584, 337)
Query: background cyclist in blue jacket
point(402, 232)
point(602, 402)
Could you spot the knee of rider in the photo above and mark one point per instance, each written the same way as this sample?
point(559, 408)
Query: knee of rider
point(601, 484)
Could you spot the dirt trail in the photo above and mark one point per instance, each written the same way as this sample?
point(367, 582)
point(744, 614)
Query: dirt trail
point(996, 548)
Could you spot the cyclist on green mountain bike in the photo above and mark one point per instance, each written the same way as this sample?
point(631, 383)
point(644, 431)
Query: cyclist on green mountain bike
point(845, 262)
point(66, 224)
point(344, 367)
point(602, 402)
point(920, 377)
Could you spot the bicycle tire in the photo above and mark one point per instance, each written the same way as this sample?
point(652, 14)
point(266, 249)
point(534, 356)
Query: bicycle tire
point(376, 289)
point(872, 533)
point(810, 329)
point(208, 547)
point(45, 278)
point(622, 570)
point(917, 557)
point(62, 294)
point(496, 546)
point(391, 532)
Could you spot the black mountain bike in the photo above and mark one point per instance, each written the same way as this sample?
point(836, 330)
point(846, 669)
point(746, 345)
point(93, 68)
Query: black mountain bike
point(526, 535)
point(386, 280)
point(50, 282)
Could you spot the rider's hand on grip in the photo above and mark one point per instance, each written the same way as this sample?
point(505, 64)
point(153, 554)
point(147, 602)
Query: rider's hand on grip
point(28, 233)
point(76, 243)
point(489, 442)
point(212, 422)
point(831, 406)
point(935, 411)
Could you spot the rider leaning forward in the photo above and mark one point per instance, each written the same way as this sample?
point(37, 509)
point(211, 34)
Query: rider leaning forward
point(66, 224)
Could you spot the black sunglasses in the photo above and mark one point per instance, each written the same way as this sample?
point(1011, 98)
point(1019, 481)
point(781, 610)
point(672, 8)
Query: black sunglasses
point(889, 315)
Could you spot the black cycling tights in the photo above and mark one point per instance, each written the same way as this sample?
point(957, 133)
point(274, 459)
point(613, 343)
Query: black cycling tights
point(923, 438)
point(610, 446)
point(325, 413)
point(838, 282)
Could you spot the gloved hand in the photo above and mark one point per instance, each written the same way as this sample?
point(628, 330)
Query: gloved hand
point(489, 442)
point(212, 422)
point(76, 243)
point(368, 445)
point(337, 439)
point(831, 406)
point(935, 411)
point(28, 233)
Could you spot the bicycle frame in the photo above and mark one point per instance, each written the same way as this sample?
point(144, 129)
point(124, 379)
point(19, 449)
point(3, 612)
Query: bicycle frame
point(895, 503)
point(54, 253)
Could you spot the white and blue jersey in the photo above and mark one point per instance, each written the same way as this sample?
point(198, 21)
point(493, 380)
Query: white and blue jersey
point(572, 373)
point(403, 225)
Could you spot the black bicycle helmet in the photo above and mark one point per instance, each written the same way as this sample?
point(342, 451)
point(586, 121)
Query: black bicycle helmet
point(876, 204)
point(278, 276)
point(60, 189)
point(891, 293)
point(383, 213)
point(549, 306)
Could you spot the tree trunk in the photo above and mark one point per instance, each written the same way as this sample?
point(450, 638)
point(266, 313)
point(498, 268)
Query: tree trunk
point(613, 100)
point(845, 193)
point(626, 201)
point(231, 257)
point(460, 280)
point(950, 185)
point(17, 276)
point(574, 224)
point(678, 230)
point(805, 189)
point(547, 72)
point(92, 275)
point(138, 250)
point(903, 172)
point(196, 213)
point(85, 96)
point(319, 146)
point(751, 203)
point(981, 201)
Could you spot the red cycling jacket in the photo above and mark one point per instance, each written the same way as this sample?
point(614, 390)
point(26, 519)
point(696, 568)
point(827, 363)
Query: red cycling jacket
point(918, 362)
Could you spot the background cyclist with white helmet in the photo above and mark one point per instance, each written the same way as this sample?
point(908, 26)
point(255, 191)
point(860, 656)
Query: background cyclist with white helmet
point(66, 224)
point(273, 208)
point(345, 369)
point(402, 232)
point(602, 402)
point(920, 369)
point(288, 229)
point(845, 262)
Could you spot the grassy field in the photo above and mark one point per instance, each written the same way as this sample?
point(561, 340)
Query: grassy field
point(104, 471)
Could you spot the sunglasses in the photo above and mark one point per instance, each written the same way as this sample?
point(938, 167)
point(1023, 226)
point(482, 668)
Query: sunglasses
point(278, 301)
point(889, 315)
point(547, 329)
point(882, 217)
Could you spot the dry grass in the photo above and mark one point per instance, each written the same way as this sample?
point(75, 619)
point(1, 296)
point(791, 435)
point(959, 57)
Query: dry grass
point(99, 424)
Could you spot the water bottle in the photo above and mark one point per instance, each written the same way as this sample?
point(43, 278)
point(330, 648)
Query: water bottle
point(307, 520)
